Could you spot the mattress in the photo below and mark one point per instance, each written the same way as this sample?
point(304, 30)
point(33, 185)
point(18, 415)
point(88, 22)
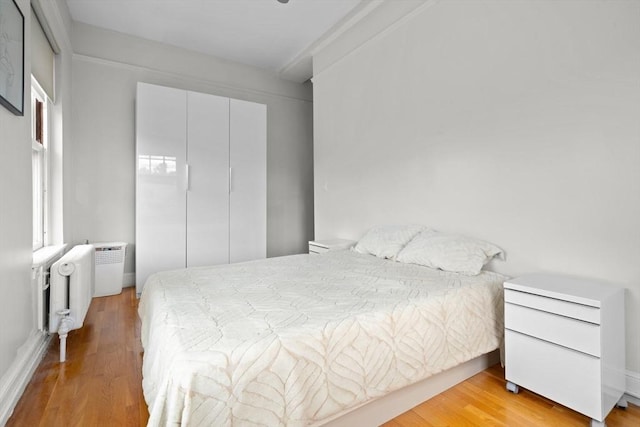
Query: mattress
point(296, 340)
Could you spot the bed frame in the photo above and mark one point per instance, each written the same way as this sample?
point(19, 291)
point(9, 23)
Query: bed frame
point(383, 409)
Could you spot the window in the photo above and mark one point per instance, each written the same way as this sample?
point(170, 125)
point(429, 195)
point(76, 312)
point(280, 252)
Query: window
point(39, 163)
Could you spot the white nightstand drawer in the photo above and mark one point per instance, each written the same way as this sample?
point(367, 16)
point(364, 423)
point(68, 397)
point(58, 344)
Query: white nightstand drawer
point(552, 305)
point(564, 331)
point(322, 246)
point(566, 376)
point(317, 249)
point(564, 339)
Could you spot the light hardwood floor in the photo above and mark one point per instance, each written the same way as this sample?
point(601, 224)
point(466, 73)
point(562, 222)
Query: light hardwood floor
point(100, 385)
point(482, 400)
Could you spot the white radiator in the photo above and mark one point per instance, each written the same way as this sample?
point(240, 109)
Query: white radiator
point(72, 286)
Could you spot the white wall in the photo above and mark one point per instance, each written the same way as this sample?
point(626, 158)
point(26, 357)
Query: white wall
point(61, 119)
point(15, 220)
point(516, 122)
point(107, 66)
point(20, 342)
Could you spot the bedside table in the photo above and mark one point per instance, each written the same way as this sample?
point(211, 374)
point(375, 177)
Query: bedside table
point(321, 246)
point(564, 339)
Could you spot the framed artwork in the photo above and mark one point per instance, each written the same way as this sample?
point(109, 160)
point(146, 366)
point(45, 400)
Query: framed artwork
point(11, 57)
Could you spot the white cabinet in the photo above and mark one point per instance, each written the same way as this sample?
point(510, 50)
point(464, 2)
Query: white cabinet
point(161, 197)
point(207, 210)
point(200, 181)
point(564, 339)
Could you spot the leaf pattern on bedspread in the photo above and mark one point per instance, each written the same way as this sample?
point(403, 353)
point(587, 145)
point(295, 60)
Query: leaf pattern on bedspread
point(298, 340)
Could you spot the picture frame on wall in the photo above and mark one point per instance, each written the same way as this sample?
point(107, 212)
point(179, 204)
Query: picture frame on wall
point(11, 57)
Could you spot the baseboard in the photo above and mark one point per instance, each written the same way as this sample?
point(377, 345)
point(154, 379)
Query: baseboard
point(129, 280)
point(15, 380)
point(633, 387)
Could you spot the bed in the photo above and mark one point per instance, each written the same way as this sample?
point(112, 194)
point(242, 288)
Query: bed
point(305, 339)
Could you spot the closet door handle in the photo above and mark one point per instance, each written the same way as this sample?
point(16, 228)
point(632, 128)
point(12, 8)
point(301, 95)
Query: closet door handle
point(230, 180)
point(187, 179)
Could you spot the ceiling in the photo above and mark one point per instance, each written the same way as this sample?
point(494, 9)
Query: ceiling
point(262, 33)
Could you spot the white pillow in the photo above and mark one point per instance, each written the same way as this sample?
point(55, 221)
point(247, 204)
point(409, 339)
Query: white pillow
point(449, 252)
point(387, 240)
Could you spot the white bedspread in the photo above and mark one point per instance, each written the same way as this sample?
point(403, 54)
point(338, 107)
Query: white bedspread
point(296, 340)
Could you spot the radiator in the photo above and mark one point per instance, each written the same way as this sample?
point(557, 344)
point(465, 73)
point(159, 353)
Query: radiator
point(72, 286)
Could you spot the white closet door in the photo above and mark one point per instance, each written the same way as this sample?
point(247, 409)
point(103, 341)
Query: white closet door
point(208, 193)
point(161, 132)
point(248, 186)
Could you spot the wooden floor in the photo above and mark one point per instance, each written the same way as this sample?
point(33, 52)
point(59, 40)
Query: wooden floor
point(482, 400)
point(100, 385)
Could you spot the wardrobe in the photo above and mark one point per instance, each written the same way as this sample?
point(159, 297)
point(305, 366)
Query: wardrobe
point(200, 180)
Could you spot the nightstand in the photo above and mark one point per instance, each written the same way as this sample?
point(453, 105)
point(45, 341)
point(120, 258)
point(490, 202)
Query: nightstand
point(321, 246)
point(564, 339)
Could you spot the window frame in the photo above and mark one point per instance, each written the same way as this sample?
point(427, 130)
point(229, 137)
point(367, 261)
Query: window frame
point(39, 167)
